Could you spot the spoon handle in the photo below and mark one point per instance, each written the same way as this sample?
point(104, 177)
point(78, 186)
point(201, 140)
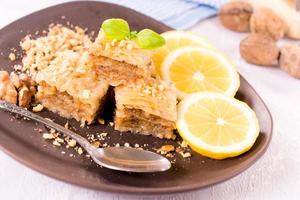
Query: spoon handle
point(21, 111)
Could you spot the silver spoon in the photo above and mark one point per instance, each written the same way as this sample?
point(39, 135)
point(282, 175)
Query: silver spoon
point(117, 158)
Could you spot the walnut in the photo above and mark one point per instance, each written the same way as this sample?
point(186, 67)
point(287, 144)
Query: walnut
point(290, 59)
point(16, 80)
point(8, 91)
point(265, 21)
point(259, 49)
point(236, 16)
point(24, 96)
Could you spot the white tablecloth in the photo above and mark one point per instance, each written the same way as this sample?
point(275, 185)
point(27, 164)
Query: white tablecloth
point(275, 176)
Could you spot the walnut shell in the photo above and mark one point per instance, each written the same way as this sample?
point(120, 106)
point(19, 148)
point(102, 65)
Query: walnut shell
point(290, 59)
point(260, 50)
point(265, 21)
point(236, 16)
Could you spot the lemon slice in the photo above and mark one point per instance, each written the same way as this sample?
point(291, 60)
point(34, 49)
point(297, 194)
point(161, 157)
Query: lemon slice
point(194, 69)
point(174, 40)
point(216, 125)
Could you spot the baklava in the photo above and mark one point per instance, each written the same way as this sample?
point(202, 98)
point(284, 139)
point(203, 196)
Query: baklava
point(146, 108)
point(69, 87)
point(120, 62)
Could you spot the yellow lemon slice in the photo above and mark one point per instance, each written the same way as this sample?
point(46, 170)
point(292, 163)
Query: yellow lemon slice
point(216, 125)
point(174, 40)
point(194, 69)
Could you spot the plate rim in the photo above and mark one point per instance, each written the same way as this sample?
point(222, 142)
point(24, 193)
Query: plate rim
point(132, 189)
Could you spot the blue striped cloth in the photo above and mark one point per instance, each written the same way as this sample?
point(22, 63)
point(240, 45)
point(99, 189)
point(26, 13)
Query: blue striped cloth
point(179, 14)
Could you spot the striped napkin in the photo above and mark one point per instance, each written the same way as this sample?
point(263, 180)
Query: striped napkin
point(178, 14)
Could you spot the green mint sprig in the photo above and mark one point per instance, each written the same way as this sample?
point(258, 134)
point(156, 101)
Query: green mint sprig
point(118, 29)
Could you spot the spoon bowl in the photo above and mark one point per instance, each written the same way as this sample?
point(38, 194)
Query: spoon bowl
point(129, 159)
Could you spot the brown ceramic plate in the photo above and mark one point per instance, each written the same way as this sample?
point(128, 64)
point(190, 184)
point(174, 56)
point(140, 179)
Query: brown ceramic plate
point(19, 140)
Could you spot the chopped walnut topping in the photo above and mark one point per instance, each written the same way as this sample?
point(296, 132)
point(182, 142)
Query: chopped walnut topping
point(48, 136)
point(126, 144)
point(24, 97)
point(17, 67)
point(101, 121)
point(129, 47)
point(8, 91)
point(79, 151)
point(60, 140)
point(56, 143)
point(185, 154)
point(96, 144)
point(166, 149)
point(67, 125)
point(72, 143)
point(161, 87)
point(38, 108)
point(12, 56)
point(184, 144)
point(16, 80)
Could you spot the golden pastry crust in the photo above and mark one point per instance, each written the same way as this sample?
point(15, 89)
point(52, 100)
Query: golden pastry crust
point(126, 61)
point(81, 90)
point(147, 108)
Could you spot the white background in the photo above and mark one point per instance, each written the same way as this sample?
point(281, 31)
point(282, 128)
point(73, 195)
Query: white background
point(275, 176)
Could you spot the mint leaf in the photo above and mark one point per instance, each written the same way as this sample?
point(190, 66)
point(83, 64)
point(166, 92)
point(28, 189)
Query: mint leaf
point(115, 28)
point(148, 39)
point(132, 35)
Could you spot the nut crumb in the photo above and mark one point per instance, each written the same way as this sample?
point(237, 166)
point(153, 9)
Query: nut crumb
point(183, 144)
point(166, 149)
point(111, 123)
point(48, 136)
point(96, 144)
point(126, 144)
point(101, 121)
point(12, 56)
point(60, 140)
point(185, 154)
point(67, 125)
point(80, 151)
point(38, 108)
point(72, 143)
point(56, 143)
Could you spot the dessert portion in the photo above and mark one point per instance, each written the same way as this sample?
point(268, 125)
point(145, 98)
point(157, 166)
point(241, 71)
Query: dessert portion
point(69, 87)
point(120, 61)
point(60, 65)
point(146, 108)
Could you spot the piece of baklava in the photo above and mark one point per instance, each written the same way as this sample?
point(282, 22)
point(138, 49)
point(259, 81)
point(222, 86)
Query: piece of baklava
point(148, 109)
point(120, 62)
point(68, 86)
